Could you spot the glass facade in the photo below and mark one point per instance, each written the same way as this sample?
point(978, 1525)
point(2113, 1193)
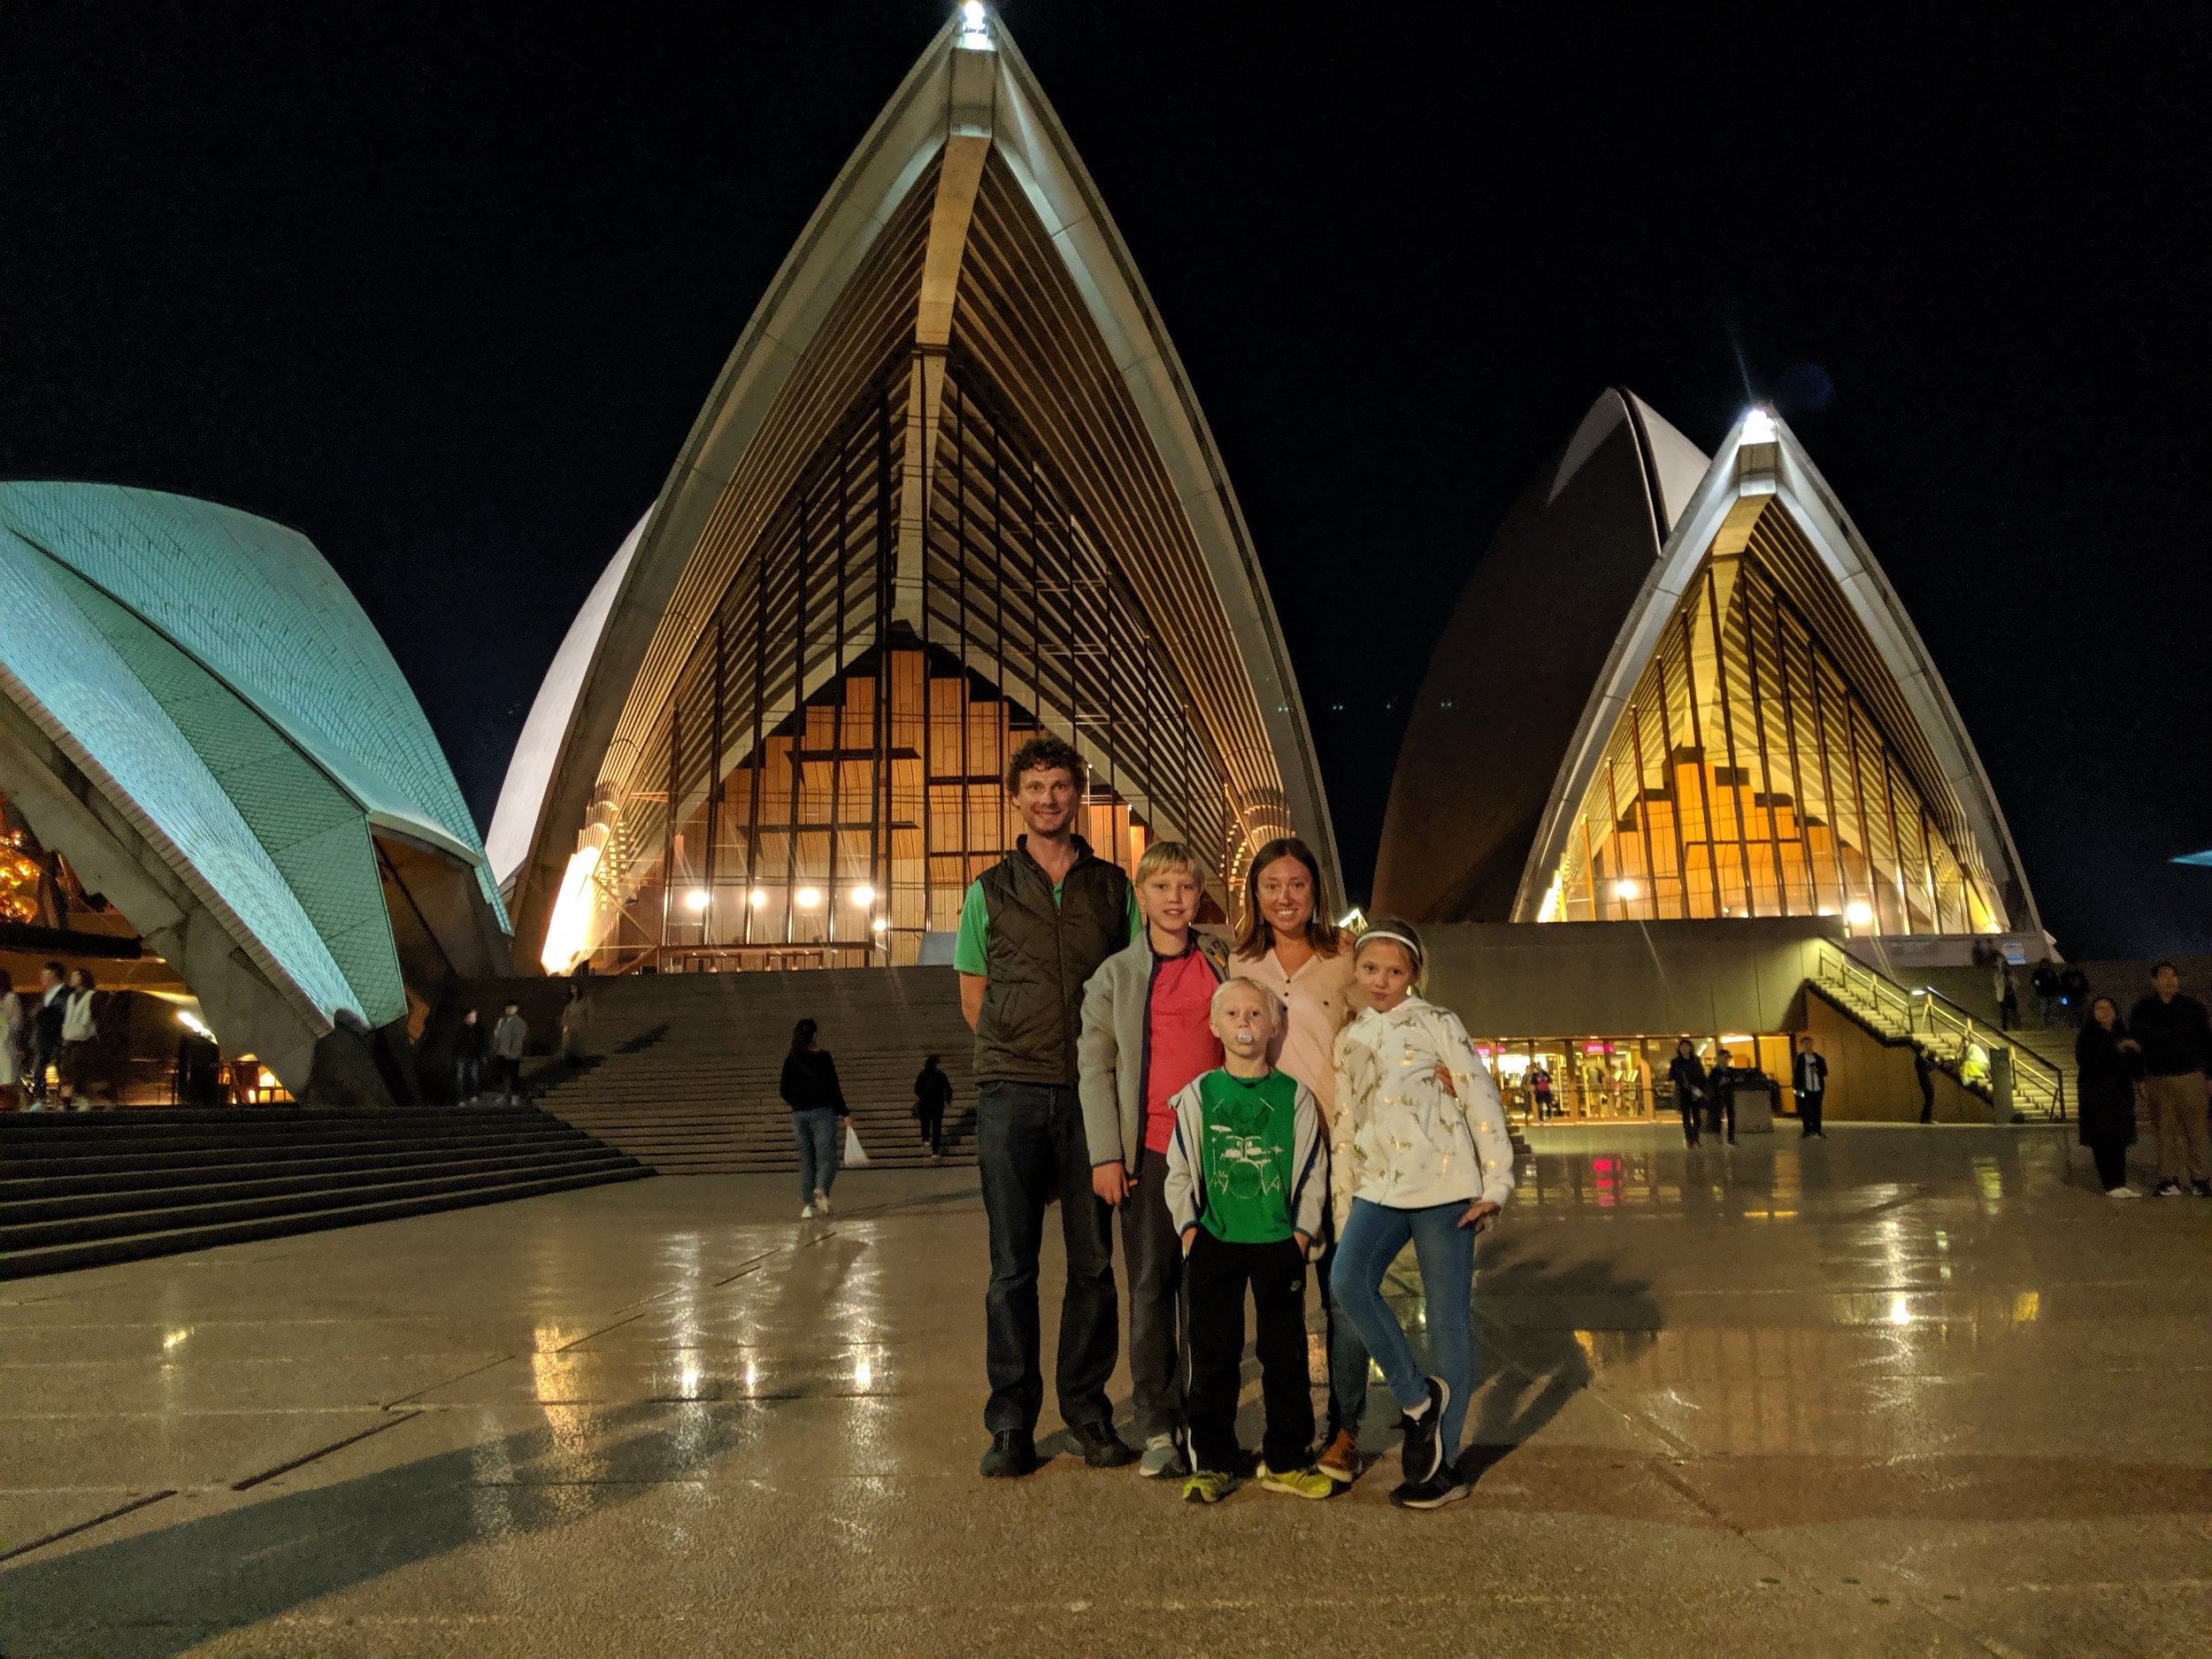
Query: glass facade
point(1758, 770)
point(829, 774)
point(1614, 1078)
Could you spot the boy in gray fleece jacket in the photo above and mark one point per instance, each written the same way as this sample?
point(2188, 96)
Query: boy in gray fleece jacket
point(1248, 1182)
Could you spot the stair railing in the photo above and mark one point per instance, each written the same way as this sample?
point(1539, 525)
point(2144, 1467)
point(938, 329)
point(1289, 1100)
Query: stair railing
point(1872, 995)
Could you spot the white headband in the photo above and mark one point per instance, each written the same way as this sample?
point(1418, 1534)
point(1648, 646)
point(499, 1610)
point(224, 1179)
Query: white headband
point(1413, 947)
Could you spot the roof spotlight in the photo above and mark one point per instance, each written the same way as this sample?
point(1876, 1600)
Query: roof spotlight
point(1758, 426)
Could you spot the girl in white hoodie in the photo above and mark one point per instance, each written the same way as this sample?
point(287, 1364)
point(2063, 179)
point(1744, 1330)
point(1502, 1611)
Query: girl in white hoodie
point(1419, 1151)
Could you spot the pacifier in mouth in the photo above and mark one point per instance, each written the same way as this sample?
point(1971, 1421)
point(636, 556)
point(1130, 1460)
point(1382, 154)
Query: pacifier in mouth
point(1247, 1038)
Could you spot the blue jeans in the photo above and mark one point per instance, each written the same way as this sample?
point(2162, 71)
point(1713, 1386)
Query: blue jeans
point(816, 1132)
point(1372, 1238)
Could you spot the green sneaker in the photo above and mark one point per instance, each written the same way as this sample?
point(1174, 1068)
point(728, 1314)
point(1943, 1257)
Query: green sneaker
point(1300, 1483)
point(1208, 1486)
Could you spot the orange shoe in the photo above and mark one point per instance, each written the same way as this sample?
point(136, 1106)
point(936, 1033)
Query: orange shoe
point(1340, 1462)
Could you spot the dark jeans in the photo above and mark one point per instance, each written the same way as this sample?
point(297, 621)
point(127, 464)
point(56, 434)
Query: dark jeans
point(1721, 1104)
point(816, 1130)
point(1154, 1256)
point(509, 1075)
point(42, 1056)
point(933, 1132)
point(2112, 1162)
point(1686, 1104)
point(1808, 1112)
point(468, 1078)
point(1347, 1354)
point(1031, 1148)
point(1214, 1277)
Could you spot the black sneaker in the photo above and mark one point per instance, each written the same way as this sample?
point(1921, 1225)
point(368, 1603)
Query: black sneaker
point(1422, 1454)
point(1446, 1486)
point(1101, 1447)
point(2203, 1189)
point(2167, 1189)
point(1013, 1453)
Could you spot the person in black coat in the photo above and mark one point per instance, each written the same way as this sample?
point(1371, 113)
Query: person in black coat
point(1690, 1087)
point(933, 1093)
point(809, 1087)
point(2110, 1061)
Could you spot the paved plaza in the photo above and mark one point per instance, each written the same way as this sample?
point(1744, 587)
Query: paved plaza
point(1909, 1391)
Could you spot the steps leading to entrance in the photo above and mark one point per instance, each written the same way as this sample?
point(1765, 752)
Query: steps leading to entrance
point(77, 1190)
point(682, 1069)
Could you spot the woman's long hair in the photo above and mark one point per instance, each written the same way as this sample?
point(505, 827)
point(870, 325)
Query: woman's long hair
point(1255, 937)
point(802, 1036)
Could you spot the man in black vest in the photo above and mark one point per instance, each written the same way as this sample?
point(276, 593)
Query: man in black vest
point(1034, 929)
point(1808, 1076)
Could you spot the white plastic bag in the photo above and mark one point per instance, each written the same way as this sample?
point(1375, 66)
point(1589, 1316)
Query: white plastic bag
point(856, 1155)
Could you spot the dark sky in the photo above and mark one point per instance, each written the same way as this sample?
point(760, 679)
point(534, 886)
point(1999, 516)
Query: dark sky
point(445, 287)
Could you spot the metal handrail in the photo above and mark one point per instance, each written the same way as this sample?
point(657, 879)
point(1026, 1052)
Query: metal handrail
point(1944, 1029)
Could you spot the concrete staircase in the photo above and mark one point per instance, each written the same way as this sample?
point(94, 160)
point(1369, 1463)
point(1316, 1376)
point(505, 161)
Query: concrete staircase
point(682, 1069)
point(80, 1189)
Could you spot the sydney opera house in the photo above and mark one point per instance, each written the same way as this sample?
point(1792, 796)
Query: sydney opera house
point(951, 488)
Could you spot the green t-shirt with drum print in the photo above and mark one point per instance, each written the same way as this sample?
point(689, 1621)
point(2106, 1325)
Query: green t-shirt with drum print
point(1251, 1129)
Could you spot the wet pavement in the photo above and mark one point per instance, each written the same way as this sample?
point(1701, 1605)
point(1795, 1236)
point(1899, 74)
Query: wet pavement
point(1904, 1392)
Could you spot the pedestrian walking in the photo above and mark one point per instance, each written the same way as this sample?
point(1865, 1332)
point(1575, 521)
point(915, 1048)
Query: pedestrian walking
point(1808, 1076)
point(2044, 983)
point(2110, 1064)
point(1540, 1091)
point(818, 1116)
point(469, 1046)
point(575, 1024)
point(1720, 1095)
point(933, 1094)
point(79, 1059)
point(1034, 928)
point(1923, 1074)
point(510, 1041)
point(15, 1026)
point(2176, 1041)
point(1686, 1074)
point(2006, 993)
point(45, 1035)
point(1288, 944)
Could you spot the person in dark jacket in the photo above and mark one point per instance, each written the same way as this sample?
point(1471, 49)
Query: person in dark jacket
point(1808, 1077)
point(46, 1021)
point(1690, 1087)
point(2073, 994)
point(809, 1087)
point(1923, 1074)
point(470, 1045)
point(2176, 1039)
point(933, 1093)
point(1720, 1083)
point(2109, 1062)
point(2044, 983)
point(1034, 928)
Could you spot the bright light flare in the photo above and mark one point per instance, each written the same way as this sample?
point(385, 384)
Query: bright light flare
point(1758, 427)
point(807, 898)
point(697, 900)
point(1859, 913)
point(863, 895)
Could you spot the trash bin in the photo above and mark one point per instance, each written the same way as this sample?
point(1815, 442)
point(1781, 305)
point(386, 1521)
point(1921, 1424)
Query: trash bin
point(1755, 1109)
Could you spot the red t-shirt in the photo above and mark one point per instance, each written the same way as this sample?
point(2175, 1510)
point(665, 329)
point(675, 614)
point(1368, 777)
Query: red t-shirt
point(1179, 1041)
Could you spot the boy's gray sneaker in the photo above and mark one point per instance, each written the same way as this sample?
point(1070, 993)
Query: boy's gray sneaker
point(1161, 1457)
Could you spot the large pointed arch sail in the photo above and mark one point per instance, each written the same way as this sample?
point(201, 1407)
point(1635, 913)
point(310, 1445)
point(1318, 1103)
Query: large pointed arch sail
point(951, 488)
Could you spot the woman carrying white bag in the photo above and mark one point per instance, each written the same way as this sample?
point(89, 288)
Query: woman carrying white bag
point(809, 1087)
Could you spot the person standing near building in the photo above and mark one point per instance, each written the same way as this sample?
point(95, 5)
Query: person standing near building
point(1686, 1074)
point(2108, 1062)
point(2044, 983)
point(1923, 1074)
point(1288, 944)
point(2006, 993)
point(1720, 1105)
point(933, 1094)
point(15, 1024)
point(78, 1062)
point(1149, 1030)
point(2177, 1047)
point(45, 1034)
point(575, 1024)
point(468, 1058)
point(811, 1089)
point(510, 1041)
point(2073, 994)
point(1808, 1076)
point(1034, 928)
point(1540, 1092)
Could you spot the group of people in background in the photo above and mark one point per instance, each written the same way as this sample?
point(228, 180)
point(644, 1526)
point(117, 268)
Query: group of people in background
point(2162, 1050)
point(2062, 994)
point(57, 1031)
point(1252, 1109)
point(494, 1056)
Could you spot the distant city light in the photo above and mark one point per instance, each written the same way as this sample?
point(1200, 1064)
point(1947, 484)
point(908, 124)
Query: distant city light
point(1758, 427)
point(807, 898)
point(697, 899)
point(863, 895)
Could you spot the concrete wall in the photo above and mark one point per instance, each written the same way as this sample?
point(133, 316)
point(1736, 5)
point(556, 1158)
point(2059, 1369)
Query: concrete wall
point(1620, 979)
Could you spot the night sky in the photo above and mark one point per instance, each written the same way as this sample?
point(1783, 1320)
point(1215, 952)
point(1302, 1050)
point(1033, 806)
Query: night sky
point(444, 288)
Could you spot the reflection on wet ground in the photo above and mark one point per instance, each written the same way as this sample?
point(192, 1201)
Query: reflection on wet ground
point(1903, 1391)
